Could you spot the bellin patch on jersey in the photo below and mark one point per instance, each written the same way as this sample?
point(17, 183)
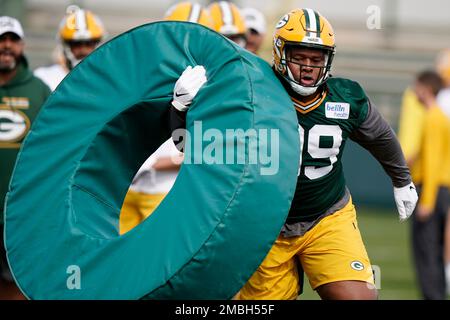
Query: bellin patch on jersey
point(337, 110)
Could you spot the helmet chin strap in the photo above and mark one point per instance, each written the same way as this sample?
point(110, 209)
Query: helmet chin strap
point(301, 90)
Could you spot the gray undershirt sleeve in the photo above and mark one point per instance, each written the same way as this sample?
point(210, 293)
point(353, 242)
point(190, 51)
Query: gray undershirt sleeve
point(375, 135)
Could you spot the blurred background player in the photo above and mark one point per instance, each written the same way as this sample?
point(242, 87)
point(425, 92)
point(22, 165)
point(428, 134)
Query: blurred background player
point(256, 26)
point(189, 11)
point(228, 20)
point(21, 97)
point(150, 185)
point(157, 175)
point(432, 176)
point(80, 32)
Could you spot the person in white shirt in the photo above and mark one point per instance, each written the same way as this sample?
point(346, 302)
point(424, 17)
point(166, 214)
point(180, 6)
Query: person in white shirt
point(150, 185)
point(158, 173)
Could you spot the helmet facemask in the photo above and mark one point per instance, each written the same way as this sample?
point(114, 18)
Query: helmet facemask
point(309, 30)
point(71, 59)
point(314, 73)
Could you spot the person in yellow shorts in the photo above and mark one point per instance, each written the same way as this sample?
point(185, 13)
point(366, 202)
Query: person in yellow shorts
point(331, 251)
point(150, 185)
point(320, 234)
point(157, 175)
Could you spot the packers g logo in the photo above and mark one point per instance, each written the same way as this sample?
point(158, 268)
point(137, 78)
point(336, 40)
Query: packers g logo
point(357, 265)
point(13, 125)
point(282, 21)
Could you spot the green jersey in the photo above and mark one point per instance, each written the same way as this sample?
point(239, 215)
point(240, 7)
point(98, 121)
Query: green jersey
point(324, 127)
point(20, 101)
point(342, 111)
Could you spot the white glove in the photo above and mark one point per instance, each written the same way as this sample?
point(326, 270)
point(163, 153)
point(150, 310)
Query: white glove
point(187, 86)
point(405, 199)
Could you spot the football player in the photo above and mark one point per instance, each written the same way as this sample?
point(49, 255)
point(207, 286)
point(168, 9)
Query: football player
point(157, 175)
point(191, 12)
point(228, 20)
point(321, 234)
point(80, 32)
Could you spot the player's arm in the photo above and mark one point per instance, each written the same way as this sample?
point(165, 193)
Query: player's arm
point(375, 135)
point(184, 92)
point(168, 163)
point(177, 124)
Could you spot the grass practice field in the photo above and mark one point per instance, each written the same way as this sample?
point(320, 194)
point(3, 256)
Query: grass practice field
point(389, 247)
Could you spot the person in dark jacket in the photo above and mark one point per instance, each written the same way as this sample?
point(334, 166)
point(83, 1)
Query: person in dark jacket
point(21, 97)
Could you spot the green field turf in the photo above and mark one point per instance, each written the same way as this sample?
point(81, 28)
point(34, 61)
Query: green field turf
point(389, 247)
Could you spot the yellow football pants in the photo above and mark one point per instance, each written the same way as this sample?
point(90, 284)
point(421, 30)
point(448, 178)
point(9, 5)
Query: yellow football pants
point(331, 251)
point(137, 206)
